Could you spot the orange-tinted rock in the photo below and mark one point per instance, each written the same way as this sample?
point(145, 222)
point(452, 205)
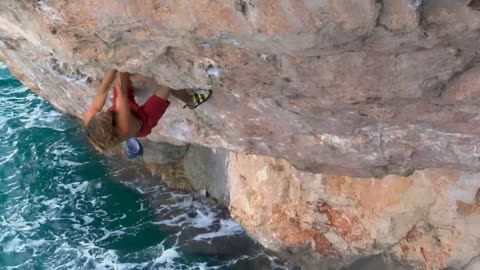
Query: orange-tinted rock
point(361, 88)
point(467, 209)
point(400, 15)
point(465, 87)
point(358, 88)
point(429, 219)
point(323, 246)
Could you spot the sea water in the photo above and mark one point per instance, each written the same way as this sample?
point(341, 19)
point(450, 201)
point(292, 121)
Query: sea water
point(63, 206)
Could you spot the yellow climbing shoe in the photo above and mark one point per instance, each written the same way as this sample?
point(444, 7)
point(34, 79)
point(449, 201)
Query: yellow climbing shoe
point(199, 97)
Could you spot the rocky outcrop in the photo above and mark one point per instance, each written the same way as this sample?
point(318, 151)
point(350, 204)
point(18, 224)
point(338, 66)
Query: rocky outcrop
point(364, 88)
point(430, 219)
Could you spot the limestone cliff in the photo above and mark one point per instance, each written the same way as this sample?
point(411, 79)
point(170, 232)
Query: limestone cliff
point(358, 88)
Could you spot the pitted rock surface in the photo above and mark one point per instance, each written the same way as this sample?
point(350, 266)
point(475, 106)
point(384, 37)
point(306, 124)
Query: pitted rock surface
point(357, 88)
point(361, 88)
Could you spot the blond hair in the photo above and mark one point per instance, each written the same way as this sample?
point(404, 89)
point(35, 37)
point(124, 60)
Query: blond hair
point(102, 133)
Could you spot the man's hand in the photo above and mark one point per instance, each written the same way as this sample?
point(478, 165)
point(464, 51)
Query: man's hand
point(101, 96)
point(107, 81)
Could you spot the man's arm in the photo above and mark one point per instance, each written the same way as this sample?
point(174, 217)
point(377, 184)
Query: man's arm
point(101, 96)
point(123, 107)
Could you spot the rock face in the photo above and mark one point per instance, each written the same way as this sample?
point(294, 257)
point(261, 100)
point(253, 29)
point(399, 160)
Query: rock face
point(430, 219)
point(362, 88)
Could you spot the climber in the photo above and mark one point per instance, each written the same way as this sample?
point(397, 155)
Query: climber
point(125, 118)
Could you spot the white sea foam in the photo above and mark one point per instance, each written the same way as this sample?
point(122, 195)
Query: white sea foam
point(38, 118)
point(8, 157)
point(14, 245)
point(203, 220)
point(167, 256)
point(69, 163)
point(75, 187)
point(228, 227)
point(87, 220)
point(107, 234)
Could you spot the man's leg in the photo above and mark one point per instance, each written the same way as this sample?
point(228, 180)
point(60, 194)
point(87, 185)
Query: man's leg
point(183, 95)
point(153, 110)
point(163, 92)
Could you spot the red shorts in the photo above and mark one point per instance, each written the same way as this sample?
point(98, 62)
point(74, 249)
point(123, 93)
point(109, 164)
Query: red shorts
point(148, 114)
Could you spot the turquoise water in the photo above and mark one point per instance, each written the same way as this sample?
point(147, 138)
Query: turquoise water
point(65, 207)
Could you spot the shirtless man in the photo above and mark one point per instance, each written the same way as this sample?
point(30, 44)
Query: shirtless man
point(126, 119)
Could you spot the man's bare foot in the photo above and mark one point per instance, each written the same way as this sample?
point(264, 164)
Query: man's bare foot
point(183, 95)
